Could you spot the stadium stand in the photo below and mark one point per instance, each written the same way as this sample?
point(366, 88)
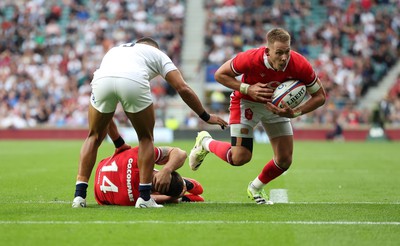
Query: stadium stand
point(49, 50)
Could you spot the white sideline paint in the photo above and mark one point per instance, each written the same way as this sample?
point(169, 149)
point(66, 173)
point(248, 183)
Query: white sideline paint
point(197, 222)
point(278, 196)
point(309, 203)
point(200, 203)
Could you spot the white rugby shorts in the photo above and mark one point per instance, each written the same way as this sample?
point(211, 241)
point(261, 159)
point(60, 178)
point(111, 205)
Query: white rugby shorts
point(108, 91)
point(245, 115)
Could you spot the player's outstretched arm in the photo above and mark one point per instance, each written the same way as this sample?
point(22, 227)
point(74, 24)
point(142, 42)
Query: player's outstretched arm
point(113, 130)
point(175, 79)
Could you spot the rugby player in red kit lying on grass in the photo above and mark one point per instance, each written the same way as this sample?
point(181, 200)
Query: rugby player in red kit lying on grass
point(117, 178)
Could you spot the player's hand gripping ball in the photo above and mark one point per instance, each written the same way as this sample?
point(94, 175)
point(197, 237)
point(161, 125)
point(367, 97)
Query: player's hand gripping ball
point(292, 92)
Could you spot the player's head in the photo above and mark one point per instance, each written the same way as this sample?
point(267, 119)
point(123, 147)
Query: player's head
point(176, 186)
point(148, 41)
point(278, 48)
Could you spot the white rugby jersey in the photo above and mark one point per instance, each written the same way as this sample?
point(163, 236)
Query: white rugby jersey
point(139, 62)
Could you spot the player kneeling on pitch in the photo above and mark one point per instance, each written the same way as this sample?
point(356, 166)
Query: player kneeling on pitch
point(117, 178)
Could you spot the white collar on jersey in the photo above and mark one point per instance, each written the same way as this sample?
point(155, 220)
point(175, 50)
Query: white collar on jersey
point(266, 63)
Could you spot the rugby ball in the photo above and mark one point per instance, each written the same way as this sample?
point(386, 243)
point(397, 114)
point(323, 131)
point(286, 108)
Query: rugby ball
point(292, 92)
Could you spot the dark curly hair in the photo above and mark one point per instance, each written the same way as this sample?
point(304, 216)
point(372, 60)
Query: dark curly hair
point(176, 186)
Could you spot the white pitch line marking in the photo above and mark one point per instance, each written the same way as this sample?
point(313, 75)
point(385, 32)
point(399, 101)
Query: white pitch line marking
point(216, 202)
point(52, 222)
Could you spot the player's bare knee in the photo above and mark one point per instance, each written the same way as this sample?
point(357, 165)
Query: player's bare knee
point(95, 138)
point(242, 149)
point(240, 160)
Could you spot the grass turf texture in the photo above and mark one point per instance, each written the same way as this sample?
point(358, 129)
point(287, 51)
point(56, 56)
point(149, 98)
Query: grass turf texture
point(339, 194)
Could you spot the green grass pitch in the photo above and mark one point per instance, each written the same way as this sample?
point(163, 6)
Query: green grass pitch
point(344, 193)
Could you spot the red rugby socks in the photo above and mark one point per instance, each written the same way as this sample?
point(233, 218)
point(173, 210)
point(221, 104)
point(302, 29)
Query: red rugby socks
point(270, 172)
point(221, 149)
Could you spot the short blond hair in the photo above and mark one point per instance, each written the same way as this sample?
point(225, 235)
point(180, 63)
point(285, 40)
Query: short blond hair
point(277, 34)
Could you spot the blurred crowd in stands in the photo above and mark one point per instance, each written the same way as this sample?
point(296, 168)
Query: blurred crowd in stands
point(50, 49)
point(351, 44)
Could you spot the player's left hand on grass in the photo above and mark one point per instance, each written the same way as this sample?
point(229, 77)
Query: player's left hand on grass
point(285, 111)
point(122, 148)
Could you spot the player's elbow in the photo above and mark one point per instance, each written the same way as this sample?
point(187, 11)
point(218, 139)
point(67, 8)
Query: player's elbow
point(184, 90)
point(322, 99)
point(319, 98)
point(217, 76)
point(181, 154)
point(220, 76)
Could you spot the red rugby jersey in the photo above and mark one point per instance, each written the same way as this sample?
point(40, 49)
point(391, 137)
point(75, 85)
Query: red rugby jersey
point(117, 178)
point(254, 66)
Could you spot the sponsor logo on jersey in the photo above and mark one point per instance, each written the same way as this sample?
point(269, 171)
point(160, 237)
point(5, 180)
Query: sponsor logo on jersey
point(129, 180)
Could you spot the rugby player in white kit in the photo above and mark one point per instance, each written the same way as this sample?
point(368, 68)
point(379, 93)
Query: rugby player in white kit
point(124, 76)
